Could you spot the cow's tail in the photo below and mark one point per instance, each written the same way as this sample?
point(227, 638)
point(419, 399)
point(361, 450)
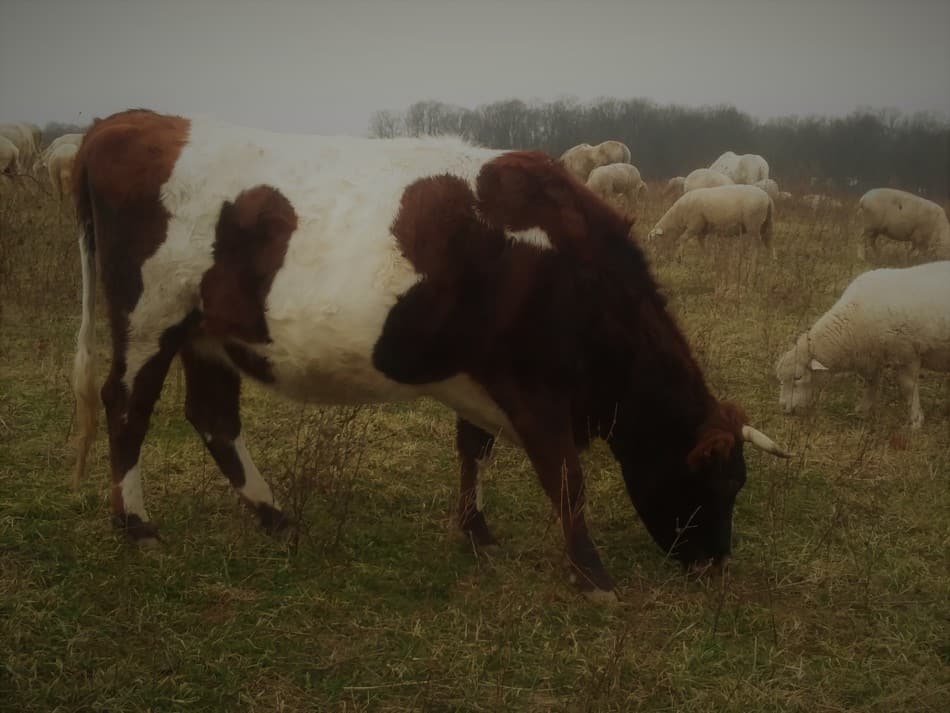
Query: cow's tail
point(84, 365)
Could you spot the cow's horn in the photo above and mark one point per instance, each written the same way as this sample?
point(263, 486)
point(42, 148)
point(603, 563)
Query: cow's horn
point(763, 442)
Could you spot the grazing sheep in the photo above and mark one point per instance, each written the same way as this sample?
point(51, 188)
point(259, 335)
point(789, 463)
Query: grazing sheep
point(584, 158)
point(748, 168)
point(60, 168)
point(903, 216)
point(769, 186)
point(724, 208)
point(21, 136)
point(705, 178)
point(9, 156)
point(885, 317)
point(43, 159)
point(674, 187)
point(619, 184)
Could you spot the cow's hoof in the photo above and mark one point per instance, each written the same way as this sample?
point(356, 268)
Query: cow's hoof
point(142, 533)
point(273, 521)
point(600, 596)
point(476, 531)
point(591, 582)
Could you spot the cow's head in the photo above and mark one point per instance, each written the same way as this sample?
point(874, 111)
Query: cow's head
point(685, 494)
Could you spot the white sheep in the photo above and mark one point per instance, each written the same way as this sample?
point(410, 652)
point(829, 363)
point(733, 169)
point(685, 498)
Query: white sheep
point(9, 156)
point(619, 184)
point(745, 209)
point(705, 178)
point(21, 135)
point(746, 169)
point(903, 216)
point(60, 168)
point(897, 317)
point(674, 187)
point(584, 158)
point(43, 159)
point(769, 186)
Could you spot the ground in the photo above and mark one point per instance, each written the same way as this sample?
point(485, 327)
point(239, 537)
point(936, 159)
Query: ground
point(836, 598)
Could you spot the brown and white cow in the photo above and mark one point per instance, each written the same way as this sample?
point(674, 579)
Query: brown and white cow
point(342, 270)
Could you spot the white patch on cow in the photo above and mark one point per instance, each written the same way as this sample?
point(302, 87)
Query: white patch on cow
point(532, 236)
point(470, 401)
point(133, 500)
point(255, 488)
point(343, 270)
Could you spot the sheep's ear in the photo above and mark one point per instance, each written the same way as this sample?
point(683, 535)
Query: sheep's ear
point(816, 365)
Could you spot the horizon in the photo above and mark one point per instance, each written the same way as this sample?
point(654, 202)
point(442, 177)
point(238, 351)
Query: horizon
point(326, 68)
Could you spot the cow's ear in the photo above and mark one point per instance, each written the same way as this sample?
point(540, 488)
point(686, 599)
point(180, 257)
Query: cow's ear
point(718, 435)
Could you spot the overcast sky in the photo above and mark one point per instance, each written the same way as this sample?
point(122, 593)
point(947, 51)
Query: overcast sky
point(325, 66)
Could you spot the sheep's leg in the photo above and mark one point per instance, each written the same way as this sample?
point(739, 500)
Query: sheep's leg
point(907, 378)
point(867, 249)
point(872, 390)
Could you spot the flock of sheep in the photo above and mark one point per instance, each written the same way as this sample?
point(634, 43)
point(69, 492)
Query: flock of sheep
point(886, 317)
point(20, 152)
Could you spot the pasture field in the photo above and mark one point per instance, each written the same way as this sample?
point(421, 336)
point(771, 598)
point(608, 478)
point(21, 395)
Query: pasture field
point(837, 598)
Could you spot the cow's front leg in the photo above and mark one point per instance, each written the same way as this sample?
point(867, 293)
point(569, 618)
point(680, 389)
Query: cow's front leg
point(544, 426)
point(473, 445)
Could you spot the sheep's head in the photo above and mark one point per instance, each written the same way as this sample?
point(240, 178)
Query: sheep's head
point(795, 370)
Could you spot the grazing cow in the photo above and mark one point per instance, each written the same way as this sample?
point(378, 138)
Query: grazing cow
point(344, 270)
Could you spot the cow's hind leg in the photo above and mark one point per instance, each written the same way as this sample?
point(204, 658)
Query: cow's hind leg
point(473, 444)
point(140, 363)
point(212, 406)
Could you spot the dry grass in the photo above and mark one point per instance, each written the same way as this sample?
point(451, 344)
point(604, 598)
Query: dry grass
point(837, 598)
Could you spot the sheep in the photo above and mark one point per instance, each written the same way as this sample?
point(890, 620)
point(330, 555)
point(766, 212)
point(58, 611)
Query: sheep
point(747, 168)
point(619, 184)
point(903, 216)
point(674, 187)
point(60, 168)
point(21, 135)
point(898, 317)
point(9, 156)
point(705, 178)
point(724, 208)
point(769, 186)
point(584, 158)
point(784, 196)
point(43, 158)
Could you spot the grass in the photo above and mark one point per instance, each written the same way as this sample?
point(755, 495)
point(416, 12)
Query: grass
point(837, 598)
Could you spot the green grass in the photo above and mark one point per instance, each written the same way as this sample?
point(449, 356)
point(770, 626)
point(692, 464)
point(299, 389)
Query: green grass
point(836, 600)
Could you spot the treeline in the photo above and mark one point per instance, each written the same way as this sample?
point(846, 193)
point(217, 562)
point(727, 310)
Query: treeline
point(865, 149)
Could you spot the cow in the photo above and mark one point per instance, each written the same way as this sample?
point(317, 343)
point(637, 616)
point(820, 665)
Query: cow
point(345, 270)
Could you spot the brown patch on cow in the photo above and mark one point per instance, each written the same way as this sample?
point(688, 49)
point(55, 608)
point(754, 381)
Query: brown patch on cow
point(526, 189)
point(439, 232)
point(718, 435)
point(251, 240)
point(572, 343)
point(117, 177)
